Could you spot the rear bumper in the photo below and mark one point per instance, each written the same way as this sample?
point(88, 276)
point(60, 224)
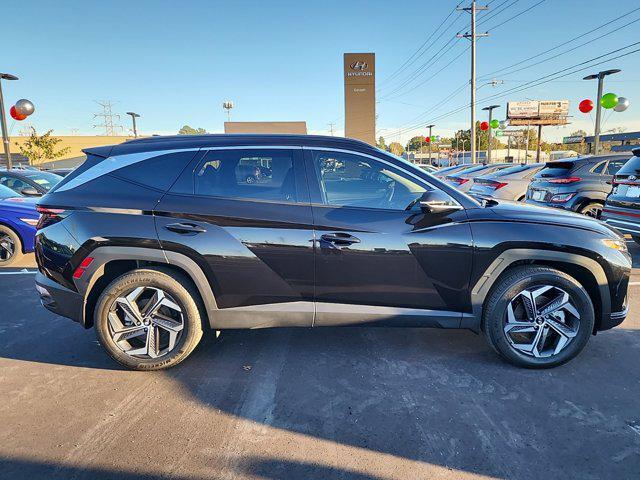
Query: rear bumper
point(624, 223)
point(58, 299)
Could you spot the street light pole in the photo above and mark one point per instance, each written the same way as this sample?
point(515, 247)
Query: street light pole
point(430, 127)
point(134, 115)
point(490, 110)
point(3, 120)
point(600, 76)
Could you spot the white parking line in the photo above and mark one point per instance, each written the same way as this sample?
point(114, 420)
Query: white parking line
point(24, 271)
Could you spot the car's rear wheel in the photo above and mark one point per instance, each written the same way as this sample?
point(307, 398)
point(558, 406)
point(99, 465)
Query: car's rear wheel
point(538, 317)
point(10, 247)
point(147, 319)
point(592, 210)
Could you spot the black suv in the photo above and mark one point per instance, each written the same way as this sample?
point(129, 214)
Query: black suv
point(622, 208)
point(157, 239)
point(578, 184)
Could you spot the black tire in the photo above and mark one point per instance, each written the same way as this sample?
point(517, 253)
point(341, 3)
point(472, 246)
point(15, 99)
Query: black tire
point(7, 259)
point(636, 239)
point(518, 279)
point(184, 294)
point(593, 209)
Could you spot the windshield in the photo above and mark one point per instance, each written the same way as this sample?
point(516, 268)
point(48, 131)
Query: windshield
point(6, 192)
point(46, 180)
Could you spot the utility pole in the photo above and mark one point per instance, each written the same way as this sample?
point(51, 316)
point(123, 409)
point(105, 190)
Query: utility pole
point(490, 110)
point(600, 76)
point(3, 120)
point(430, 127)
point(472, 37)
point(134, 115)
point(331, 125)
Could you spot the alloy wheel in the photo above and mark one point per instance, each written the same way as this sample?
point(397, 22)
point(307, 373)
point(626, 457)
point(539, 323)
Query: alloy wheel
point(541, 321)
point(145, 323)
point(593, 211)
point(7, 247)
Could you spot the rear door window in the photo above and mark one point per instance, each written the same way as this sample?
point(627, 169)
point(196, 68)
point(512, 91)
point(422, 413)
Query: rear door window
point(267, 175)
point(599, 168)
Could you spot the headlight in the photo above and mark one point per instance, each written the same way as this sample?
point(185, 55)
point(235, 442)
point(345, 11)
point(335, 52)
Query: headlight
point(619, 245)
point(30, 221)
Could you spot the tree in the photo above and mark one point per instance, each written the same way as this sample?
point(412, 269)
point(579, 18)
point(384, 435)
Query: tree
point(382, 145)
point(396, 148)
point(578, 133)
point(39, 148)
point(187, 130)
point(417, 144)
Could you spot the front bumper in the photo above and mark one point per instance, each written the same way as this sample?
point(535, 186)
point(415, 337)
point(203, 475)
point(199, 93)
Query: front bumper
point(58, 299)
point(615, 319)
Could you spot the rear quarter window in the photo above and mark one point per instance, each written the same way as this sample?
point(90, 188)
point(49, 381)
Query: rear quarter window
point(157, 172)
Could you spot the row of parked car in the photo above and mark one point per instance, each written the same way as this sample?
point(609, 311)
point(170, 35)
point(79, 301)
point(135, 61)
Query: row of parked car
point(604, 186)
point(20, 189)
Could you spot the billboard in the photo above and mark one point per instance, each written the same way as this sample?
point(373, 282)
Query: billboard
point(360, 96)
point(266, 127)
point(528, 109)
point(538, 112)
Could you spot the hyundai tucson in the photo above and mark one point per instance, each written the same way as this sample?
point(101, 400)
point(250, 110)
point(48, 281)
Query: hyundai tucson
point(156, 240)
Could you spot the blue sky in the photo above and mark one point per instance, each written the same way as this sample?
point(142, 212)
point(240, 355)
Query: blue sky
point(175, 62)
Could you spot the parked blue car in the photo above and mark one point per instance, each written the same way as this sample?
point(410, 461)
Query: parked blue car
point(18, 220)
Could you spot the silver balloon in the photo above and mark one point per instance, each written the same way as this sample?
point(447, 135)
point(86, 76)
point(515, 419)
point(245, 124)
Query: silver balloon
point(623, 104)
point(25, 107)
point(503, 124)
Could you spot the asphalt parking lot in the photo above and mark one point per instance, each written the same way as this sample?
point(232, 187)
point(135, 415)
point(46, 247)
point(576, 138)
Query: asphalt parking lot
point(361, 403)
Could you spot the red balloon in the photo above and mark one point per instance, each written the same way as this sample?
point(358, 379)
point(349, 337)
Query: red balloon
point(427, 139)
point(15, 115)
point(585, 106)
point(484, 126)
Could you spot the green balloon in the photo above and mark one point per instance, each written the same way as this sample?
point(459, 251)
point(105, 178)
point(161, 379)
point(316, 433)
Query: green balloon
point(609, 100)
point(433, 138)
point(495, 123)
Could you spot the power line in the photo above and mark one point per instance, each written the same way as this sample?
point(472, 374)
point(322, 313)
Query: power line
point(425, 65)
point(517, 15)
point(540, 81)
point(406, 62)
point(608, 22)
point(107, 118)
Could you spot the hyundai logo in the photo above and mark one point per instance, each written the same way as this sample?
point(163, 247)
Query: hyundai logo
point(632, 178)
point(359, 66)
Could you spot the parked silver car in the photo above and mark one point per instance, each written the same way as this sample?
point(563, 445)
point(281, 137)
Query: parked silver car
point(443, 172)
point(507, 184)
point(463, 180)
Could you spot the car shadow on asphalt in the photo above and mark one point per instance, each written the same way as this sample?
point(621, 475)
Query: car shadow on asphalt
point(434, 396)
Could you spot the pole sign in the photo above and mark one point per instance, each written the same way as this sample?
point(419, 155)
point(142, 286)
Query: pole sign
point(510, 133)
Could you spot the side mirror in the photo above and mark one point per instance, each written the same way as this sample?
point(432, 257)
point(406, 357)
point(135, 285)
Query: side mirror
point(437, 202)
point(30, 192)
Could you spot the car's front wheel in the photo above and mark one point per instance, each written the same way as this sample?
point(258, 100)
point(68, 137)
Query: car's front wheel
point(149, 319)
point(10, 247)
point(538, 317)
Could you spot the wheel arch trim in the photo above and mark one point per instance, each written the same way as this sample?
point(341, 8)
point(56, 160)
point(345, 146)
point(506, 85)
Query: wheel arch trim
point(483, 286)
point(104, 255)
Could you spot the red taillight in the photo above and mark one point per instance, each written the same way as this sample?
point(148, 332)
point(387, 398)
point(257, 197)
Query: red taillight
point(82, 267)
point(564, 180)
point(49, 211)
point(498, 185)
point(458, 180)
point(49, 216)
